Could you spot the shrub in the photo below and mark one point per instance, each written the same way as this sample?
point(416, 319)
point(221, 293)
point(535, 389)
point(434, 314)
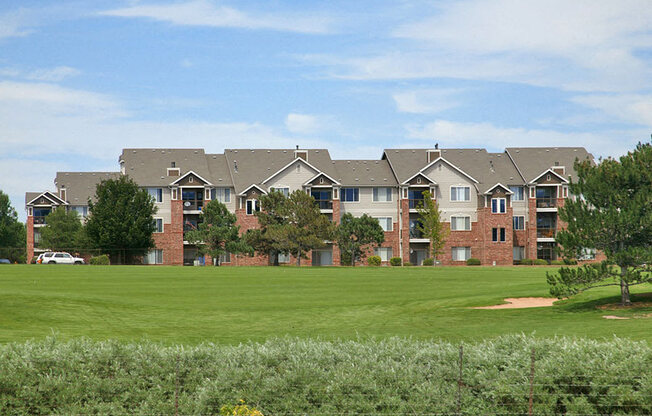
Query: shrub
point(429, 261)
point(540, 262)
point(473, 262)
point(395, 261)
point(527, 262)
point(374, 260)
point(407, 263)
point(102, 260)
point(570, 262)
point(557, 262)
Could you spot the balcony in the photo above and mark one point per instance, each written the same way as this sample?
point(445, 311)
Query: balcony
point(193, 205)
point(325, 204)
point(415, 203)
point(547, 202)
point(40, 220)
point(545, 233)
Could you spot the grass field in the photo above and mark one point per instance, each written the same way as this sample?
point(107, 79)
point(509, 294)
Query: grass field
point(231, 305)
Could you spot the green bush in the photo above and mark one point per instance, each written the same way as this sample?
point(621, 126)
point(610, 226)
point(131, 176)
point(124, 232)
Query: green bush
point(557, 262)
point(527, 262)
point(374, 260)
point(473, 262)
point(570, 262)
point(407, 263)
point(540, 262)
point(102, 260)
point(303, 376)
point(395, 261)
point(429, 261)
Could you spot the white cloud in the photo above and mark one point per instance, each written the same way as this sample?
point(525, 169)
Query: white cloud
point(426, 101)
point(56, 74)
point(12, 24)
point(632, 108)
point(486, 135)
point(303, 123)
point(205, 13)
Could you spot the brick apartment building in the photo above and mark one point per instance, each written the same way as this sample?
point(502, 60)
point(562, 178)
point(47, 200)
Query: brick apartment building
point(500, 207)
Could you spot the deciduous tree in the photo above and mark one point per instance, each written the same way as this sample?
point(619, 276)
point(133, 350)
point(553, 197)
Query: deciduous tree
point(63, 232)
point(355, 234)
point(431, 225)
point(612, 212)
point(12, 232)
point(306, 228)
point(121, 220)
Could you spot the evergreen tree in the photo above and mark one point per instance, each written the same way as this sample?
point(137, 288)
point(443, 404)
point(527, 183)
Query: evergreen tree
point(355, 234)
point(12, 232)
point(306, 228)
point(217, 234)
point(121, 220)
point(611, 212)
point(271, 238)
point(431, 225)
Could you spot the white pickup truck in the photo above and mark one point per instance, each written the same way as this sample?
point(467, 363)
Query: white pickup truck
point(59, 258)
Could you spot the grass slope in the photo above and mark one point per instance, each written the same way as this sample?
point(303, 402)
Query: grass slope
point(231, 305)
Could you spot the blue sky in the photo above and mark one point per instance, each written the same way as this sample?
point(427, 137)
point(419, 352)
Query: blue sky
point(81, 80)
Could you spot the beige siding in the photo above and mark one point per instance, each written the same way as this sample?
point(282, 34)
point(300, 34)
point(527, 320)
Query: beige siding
point(366, 205)
point(292, 179)
point(447, 177)
point(164, 208)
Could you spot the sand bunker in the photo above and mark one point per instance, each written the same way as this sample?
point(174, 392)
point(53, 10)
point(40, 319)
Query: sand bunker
point(518, 303)
point(614, 317)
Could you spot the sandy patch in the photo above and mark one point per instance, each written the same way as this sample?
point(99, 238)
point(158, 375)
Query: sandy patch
point(617, 306)
point(518, 303)
point(614, 317)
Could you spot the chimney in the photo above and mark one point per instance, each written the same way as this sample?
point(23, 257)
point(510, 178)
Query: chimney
point(433, 154)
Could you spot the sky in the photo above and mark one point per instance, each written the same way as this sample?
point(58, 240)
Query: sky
point(80, 80)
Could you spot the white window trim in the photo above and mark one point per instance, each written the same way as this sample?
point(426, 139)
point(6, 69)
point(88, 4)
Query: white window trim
point(457, 248)
point(461, 216)
point(391, 223)
point(277, 187)
point(450, 193)
point(518, 216)
point(253, 206)
point(162, 225)
point(391, 194)
point(351, 202)
point(498, 240)
point(498, 205)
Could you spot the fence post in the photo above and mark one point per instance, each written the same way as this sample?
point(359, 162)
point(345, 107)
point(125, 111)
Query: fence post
point(459, 381)
point(176, 387)
point(531, 403)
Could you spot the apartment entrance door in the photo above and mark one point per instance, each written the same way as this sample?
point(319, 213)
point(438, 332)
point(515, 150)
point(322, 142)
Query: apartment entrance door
point(322, 257)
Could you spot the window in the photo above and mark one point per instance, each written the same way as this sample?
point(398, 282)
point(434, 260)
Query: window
point(158, 224)
point(156, 193)
point(498, 234)
point(350, 194)
point(153, 257)
point(460, 223)
point(498, 205)
point(385, 223)
point(460, 193)
point(222, 195)
point(285, 191)
point(518, 193)
point(385, 253)
point(382, 194)
point(519, 223)
point(587, 254)
point(284, 257)
point(518, 252)
point(225, 257)
point(461, 253)
point(252, 206)
point(82, 210)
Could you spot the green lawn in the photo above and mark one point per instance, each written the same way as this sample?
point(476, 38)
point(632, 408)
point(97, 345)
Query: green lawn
point(230, 305)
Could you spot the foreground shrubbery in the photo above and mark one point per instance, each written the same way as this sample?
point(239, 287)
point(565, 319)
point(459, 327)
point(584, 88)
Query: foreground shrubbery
point(314, 377)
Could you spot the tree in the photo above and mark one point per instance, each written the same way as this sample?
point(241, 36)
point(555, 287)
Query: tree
point(612, 212)
point(63, 230)
point(306, 228)
point(217, 233)
point(12, 232)
point(355, 233)
point(431, 225)
point(271, 237)
point(121, 220)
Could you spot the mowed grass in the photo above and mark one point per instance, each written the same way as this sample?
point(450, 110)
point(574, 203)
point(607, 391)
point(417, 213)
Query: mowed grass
point(189, 305)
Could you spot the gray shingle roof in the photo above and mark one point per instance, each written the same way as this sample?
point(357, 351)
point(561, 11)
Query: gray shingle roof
point(148, 167)
point(80, 186)
point(533, 161)
point(364, 173)
point(29, 196)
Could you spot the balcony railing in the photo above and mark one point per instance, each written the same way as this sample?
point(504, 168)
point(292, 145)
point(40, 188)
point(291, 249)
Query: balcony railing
point(39, 220)
point(545, 233)
point(547, 202)
point(193, 205)
point(324, 204)
point(415, 203)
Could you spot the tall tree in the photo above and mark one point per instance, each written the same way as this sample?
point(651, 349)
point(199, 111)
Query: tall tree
point(355, 234)
point(12, 232)
point(612, 212)
point(431, 225)
point(271, 238)
point(306, 227)
point(63, 231)
point(121, 220)
point(217, 233)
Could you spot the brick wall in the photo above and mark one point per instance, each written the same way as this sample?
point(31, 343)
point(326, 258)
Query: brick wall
point(500, 252)
point(171, 239)
point(29, 225)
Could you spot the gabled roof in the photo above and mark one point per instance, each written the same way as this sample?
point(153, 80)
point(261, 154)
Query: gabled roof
point(296, 160)
point(364, 173)
point(418, 174)
point(563, 180)
point(498, 185)
point(148, 167)
point(318, 175)
point(80, 186)
point(253, 186)
point(451, 165)
point(50, 196)
point(190, 172)
point(531, 161)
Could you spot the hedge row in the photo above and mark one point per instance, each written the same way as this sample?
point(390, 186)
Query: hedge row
point(289, 376)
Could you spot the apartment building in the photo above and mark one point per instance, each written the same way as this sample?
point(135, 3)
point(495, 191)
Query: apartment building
point(500, 207)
